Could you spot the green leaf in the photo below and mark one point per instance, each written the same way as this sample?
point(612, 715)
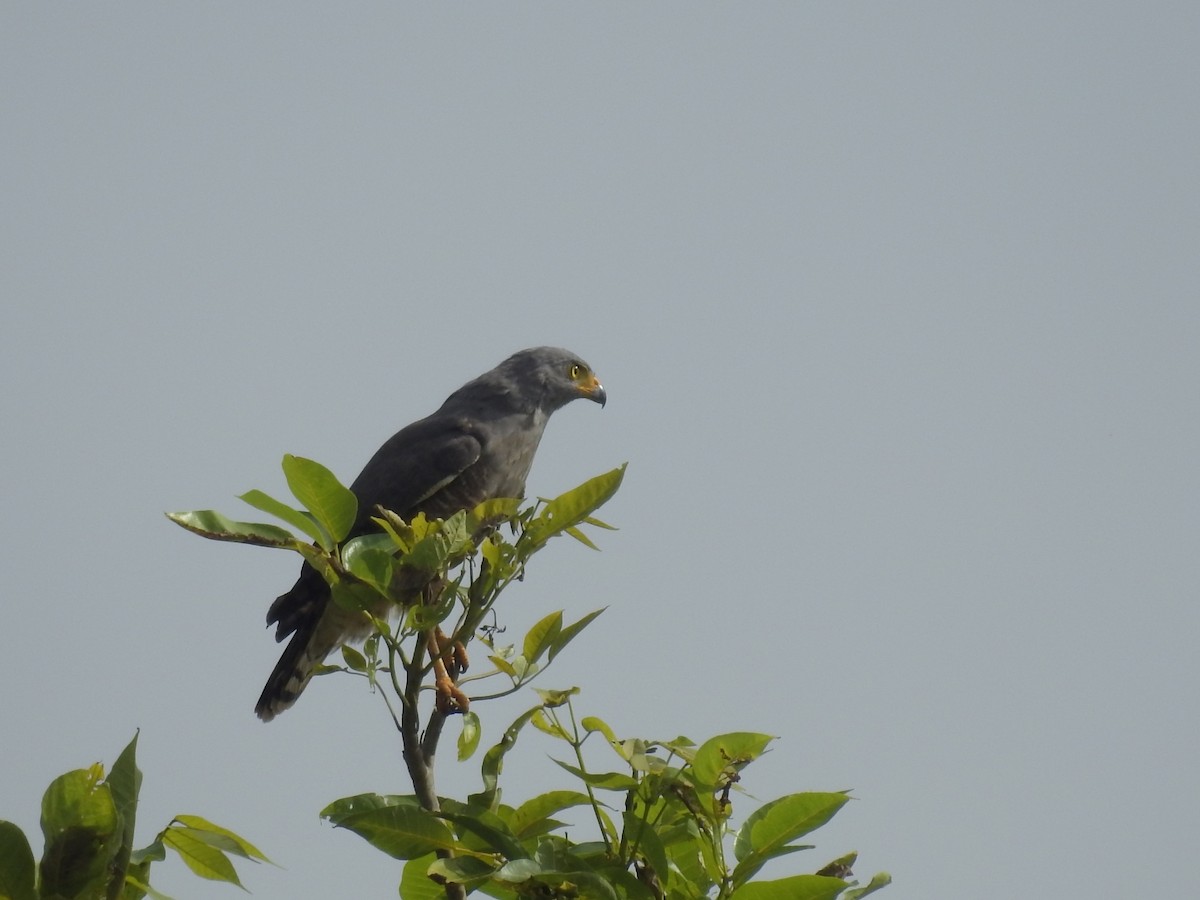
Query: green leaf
point(465, 870)
point(517, 870)
point(395, 825)
point(468, 739)
point(214, 526)
point(570, 509)
point(592, 723)
point(541, 636)
point(769, 830)
point(136, 887)
point(332, 503)
point(355, 661)
point(727, 752)
point(490, 828)
point(493, 761)
point(798, 887)
point(783, 820)
point(298, 519)
point(201, 857)
point(125, 781)
point(372, 558)
point(529, 815)
point(581, 537)
point(880, 880)
point(415, 884)
point(82, 833)
point(609, 781)
point(238, 844)
point(566, 635)
point(505, 666)
point(16, 864)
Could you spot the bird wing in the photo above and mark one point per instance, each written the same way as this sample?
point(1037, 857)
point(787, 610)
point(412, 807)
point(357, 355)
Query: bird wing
point(411, 466)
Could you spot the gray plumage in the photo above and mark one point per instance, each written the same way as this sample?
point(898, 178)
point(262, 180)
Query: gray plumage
point(479, 445)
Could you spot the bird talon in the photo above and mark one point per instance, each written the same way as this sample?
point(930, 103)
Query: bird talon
point(449, 699)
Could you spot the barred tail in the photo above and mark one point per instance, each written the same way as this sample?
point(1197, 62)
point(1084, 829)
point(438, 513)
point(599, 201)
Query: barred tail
point(291, 674)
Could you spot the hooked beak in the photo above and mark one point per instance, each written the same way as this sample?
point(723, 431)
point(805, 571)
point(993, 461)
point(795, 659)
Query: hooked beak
point(594, 390)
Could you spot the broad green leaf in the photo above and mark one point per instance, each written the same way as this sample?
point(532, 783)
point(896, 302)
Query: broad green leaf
point(214, 526)
point(468, 739)
point(609, 781)
point(82, 832)
point(552, 699)
point(783, 820)
point(798, 887)
point(394, 825)
point(541, 636)
point(465, 870)
point(298, 519)
point(372, 558)
point(727, 751)
point(490, 828)
point(16, 864)
point(528, 815)
point(566, 635)
point(745, 870)
point(332, 503)
point(348, 807)
point(517, 870)
point(239, 845)
point(880, 880)
point(415, 884)
point(201, 857)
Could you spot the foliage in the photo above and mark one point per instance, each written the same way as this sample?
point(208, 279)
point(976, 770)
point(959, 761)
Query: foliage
point(87, 823)
point(662, 816)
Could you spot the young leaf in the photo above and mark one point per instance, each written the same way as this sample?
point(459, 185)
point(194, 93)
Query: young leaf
point(298, 519)
point(124, 781)
point(566, 635)
point(569, 509)
point(541, 636)
point(609, 781)
point(880, 880)
point(526, 818)
point(355, 661)
point(468, 739)
point(201, 857)
point(727, 751)
point(334, 505)
point(235, 843)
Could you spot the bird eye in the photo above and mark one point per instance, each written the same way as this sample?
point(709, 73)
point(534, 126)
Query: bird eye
point(576, 371)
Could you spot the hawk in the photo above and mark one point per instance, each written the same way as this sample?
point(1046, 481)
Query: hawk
point(478, 446)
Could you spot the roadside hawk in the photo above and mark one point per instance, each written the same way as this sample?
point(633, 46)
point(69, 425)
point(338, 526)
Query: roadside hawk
point(478, 446)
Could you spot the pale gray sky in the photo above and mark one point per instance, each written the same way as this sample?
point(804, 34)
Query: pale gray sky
point(898, 309)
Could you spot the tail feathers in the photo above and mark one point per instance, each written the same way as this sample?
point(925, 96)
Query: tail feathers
point(304, 652)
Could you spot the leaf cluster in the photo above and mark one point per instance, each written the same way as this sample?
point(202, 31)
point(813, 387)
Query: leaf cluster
point(87, 823)
point(662, 812)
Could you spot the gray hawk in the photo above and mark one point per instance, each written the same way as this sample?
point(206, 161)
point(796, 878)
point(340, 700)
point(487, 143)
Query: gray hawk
point(478, 446)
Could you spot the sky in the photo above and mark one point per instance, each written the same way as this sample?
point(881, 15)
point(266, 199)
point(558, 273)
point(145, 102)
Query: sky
point(897, 308)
